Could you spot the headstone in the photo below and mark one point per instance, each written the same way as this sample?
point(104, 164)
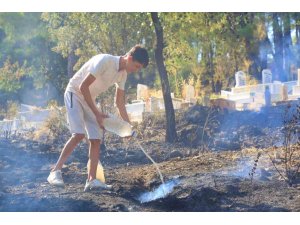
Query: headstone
point(156, 104)
point(142, 92)
point(135, 111)
point(240, 79)
point(190, 92)
point(266, 76)
point(296, 90)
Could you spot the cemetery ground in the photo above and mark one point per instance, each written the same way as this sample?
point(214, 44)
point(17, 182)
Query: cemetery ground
point(218, 175)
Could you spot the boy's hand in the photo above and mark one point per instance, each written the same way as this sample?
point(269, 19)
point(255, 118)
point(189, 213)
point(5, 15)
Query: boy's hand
point(100, 117)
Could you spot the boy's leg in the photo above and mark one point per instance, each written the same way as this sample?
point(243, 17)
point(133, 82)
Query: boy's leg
point(92, 183)
point(55, 176)
point(67, 150)
point(94, 134)
point(93, 157)
point(76, 125)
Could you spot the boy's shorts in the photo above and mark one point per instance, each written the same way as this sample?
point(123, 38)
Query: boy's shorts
point(80, 117)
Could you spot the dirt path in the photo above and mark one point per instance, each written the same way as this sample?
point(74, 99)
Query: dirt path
point(209, 182)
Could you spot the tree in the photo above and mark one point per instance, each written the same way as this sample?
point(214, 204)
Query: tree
point(265, 45)
point(78, 36)
point(287, 45)
point(171, 135)
point(296, 17)
point(25, 39)
point(203, 49)
point(11, 75)
point(278, 43)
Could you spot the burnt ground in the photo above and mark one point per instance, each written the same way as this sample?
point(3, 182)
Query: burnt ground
point(212, 160)
point(209, 181)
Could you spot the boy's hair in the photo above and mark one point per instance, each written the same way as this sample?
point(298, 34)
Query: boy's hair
point(140, 55)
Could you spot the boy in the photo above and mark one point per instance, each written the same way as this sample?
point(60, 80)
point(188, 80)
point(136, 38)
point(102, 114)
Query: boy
point(94, 78)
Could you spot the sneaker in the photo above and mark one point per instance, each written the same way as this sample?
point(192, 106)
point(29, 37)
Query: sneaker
point(96, 185)
point(55, 178)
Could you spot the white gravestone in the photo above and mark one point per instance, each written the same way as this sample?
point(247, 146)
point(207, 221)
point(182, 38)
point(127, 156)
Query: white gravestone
point(240, 79)
point(266, 76)
point(142, 92)
point(190, 92)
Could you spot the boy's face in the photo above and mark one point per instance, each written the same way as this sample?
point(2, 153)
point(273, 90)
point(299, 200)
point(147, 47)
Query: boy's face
point(133, 66)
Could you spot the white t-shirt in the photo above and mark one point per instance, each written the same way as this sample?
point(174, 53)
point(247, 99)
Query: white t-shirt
point(105, 68)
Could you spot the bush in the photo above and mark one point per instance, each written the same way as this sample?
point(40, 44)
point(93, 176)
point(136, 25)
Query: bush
point(12, 109)
point(57, 123)
point(289, 166)
point(55, 126)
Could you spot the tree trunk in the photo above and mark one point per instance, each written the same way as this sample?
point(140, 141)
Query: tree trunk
point(278, 42)
point(171, 135)
point(287, 45)
point(246, 19)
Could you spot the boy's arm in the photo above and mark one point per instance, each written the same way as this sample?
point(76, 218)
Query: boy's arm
point(120, 102)
point(84, 88)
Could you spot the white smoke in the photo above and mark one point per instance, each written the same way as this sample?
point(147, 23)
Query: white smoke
point(160, 192)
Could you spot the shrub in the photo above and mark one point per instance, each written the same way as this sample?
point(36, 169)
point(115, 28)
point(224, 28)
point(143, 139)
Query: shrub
point(12, 110)
point(289, 166)
point(55, 126)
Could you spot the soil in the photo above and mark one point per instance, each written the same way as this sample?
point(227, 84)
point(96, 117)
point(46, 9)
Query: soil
point(208, 181)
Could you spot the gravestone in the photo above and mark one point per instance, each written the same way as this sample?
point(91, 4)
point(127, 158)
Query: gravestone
point(142, 92)
point(190, 92)
point(266, 76)
point(240, 79)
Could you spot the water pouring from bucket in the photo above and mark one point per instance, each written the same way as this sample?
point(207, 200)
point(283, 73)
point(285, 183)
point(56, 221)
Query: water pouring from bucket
point(123, 129)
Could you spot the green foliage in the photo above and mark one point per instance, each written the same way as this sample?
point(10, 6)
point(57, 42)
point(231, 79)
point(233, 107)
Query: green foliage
point(10, 76)
point(207, 48)
point(200, 48)
point(88, 34)
point(26, 54)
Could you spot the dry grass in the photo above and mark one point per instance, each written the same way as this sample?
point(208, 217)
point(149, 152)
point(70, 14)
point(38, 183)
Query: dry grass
point(54, 128)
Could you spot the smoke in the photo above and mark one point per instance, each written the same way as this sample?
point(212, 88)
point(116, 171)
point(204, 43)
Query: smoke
point(39, 96)
point(160, 192)
point(244, 167)
point(239, 126)
point(288, 56)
